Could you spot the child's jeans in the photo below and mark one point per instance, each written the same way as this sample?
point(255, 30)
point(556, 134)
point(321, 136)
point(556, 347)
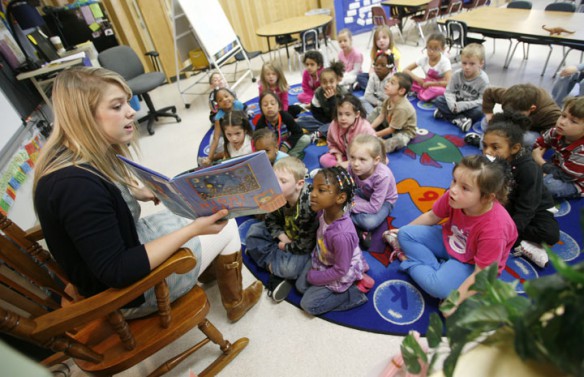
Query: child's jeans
point(559, 188)
point(370, 221)
point(310, 123)
point(318, 300)
point(564, 85)
point(264, 250)
point(474, 113)
point(428, 263)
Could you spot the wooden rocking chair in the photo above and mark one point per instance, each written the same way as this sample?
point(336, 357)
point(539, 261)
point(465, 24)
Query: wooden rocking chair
point(92, 330)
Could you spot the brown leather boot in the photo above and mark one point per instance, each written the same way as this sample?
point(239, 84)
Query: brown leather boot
point(236, 300)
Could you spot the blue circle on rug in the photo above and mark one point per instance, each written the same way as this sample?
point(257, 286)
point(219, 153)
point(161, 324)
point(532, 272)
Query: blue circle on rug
point(244, 228)
point(295, 90)
point(567, 248)
point(563, 208)
point(398, 302)
point(425, 105)
point(518, 268)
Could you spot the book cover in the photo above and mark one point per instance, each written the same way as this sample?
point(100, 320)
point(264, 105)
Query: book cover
point(244, 185)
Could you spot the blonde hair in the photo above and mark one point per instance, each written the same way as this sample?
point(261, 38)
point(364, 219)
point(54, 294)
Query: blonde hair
point(373, 144)
point(474, 50)
point(282, 83)
point(292, 165)
point(347, 32)
point(77, 138)
point(378, 30)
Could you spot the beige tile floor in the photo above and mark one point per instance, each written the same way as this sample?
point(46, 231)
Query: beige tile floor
point(284, 341)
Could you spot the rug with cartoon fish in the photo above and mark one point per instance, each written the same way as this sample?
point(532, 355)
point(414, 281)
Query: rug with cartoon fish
point(423, 173)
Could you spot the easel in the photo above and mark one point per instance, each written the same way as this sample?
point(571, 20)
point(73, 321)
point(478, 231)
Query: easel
point(216, 59)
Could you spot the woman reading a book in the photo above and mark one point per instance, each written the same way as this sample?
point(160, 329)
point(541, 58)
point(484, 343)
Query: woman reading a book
point(86, 201)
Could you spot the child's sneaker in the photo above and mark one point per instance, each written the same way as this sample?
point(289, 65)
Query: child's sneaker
point(315, 136)
point(365, 284)
point(533, 252)
point(438, 114)
point(463, 123)
point(364, 239)
point(472, 138)
point(397, 252)
point(278, 288)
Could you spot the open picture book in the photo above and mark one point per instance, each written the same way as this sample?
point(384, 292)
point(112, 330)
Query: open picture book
point(244, 185)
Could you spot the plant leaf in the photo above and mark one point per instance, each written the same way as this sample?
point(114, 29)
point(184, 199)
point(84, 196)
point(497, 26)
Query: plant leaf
point(452, 359)
point(434, 332)
point(485, 278)
point(412, 353)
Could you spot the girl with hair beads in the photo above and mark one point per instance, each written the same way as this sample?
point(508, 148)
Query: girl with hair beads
point(237, 134)
point(383, 42)
point(87, 204)
point(290, 137)
point(335, 278)
point(272, 78)
point(529, 201)
point(324, 103)
point(436, 67)
point(376, 189)
point(350, 57)
point(226, 102)
point(478, 230)
point(313, 62)
point(349, 121)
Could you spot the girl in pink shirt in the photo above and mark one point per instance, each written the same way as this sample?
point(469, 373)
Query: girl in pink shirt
point(350, 57)
point(477, 233)
point(313, 62)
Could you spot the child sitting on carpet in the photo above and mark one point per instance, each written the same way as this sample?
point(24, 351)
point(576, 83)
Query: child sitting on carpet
point(532, 101)
point(313, 62)
point(398, 119)
point(376, 189)
point(272, 78)
point(349, 121)
point(564, 175)
point(350, 57)
point(436, 67)
point(324, 103)
point(382, 42)
point(237, 133)
point(478, 230)
point(265, 140)
point(335, 278)
point(529, 201)
point(216, 82)
point(462, 101)
point(374, 96)
point(226, 102)
point(290, 137)
point(283, 242)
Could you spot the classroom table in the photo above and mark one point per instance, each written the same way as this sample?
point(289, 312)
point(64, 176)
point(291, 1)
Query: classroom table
point(292, 25)
point(513, 23)
point(401, 9)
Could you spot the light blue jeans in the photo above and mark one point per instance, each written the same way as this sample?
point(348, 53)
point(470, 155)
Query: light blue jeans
point(370, 221)
point(319, 300)
point(428, 263)
point(559, 188)
point(264, 250)
point(564, 85)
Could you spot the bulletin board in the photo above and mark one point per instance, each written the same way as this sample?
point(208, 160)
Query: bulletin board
point(354, 15)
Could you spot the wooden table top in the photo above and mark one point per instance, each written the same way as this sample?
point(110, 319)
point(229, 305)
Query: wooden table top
point(405, 3)
point(293, 25)
point(523, 22)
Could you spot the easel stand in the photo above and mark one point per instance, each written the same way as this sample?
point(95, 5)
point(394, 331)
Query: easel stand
point(211, 28)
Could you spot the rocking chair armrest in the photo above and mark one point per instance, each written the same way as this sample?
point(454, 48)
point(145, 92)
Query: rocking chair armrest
point(102, 304)
point(34, 234)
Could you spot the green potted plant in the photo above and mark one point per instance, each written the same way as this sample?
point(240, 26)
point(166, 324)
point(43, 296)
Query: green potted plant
point(545, 326)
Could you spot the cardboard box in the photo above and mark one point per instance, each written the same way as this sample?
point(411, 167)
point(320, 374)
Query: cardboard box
point(198, 59)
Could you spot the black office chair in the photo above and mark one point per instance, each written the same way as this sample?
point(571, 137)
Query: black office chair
point(123, 60)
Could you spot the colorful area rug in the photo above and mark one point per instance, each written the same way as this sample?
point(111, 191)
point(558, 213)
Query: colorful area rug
point(423, 172)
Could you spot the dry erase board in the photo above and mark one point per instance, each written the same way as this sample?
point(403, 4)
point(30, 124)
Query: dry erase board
point(11, 122)
point(211, 26)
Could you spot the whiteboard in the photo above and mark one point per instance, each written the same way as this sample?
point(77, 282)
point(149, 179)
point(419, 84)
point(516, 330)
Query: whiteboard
point(11, 122)
point(213, 29)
